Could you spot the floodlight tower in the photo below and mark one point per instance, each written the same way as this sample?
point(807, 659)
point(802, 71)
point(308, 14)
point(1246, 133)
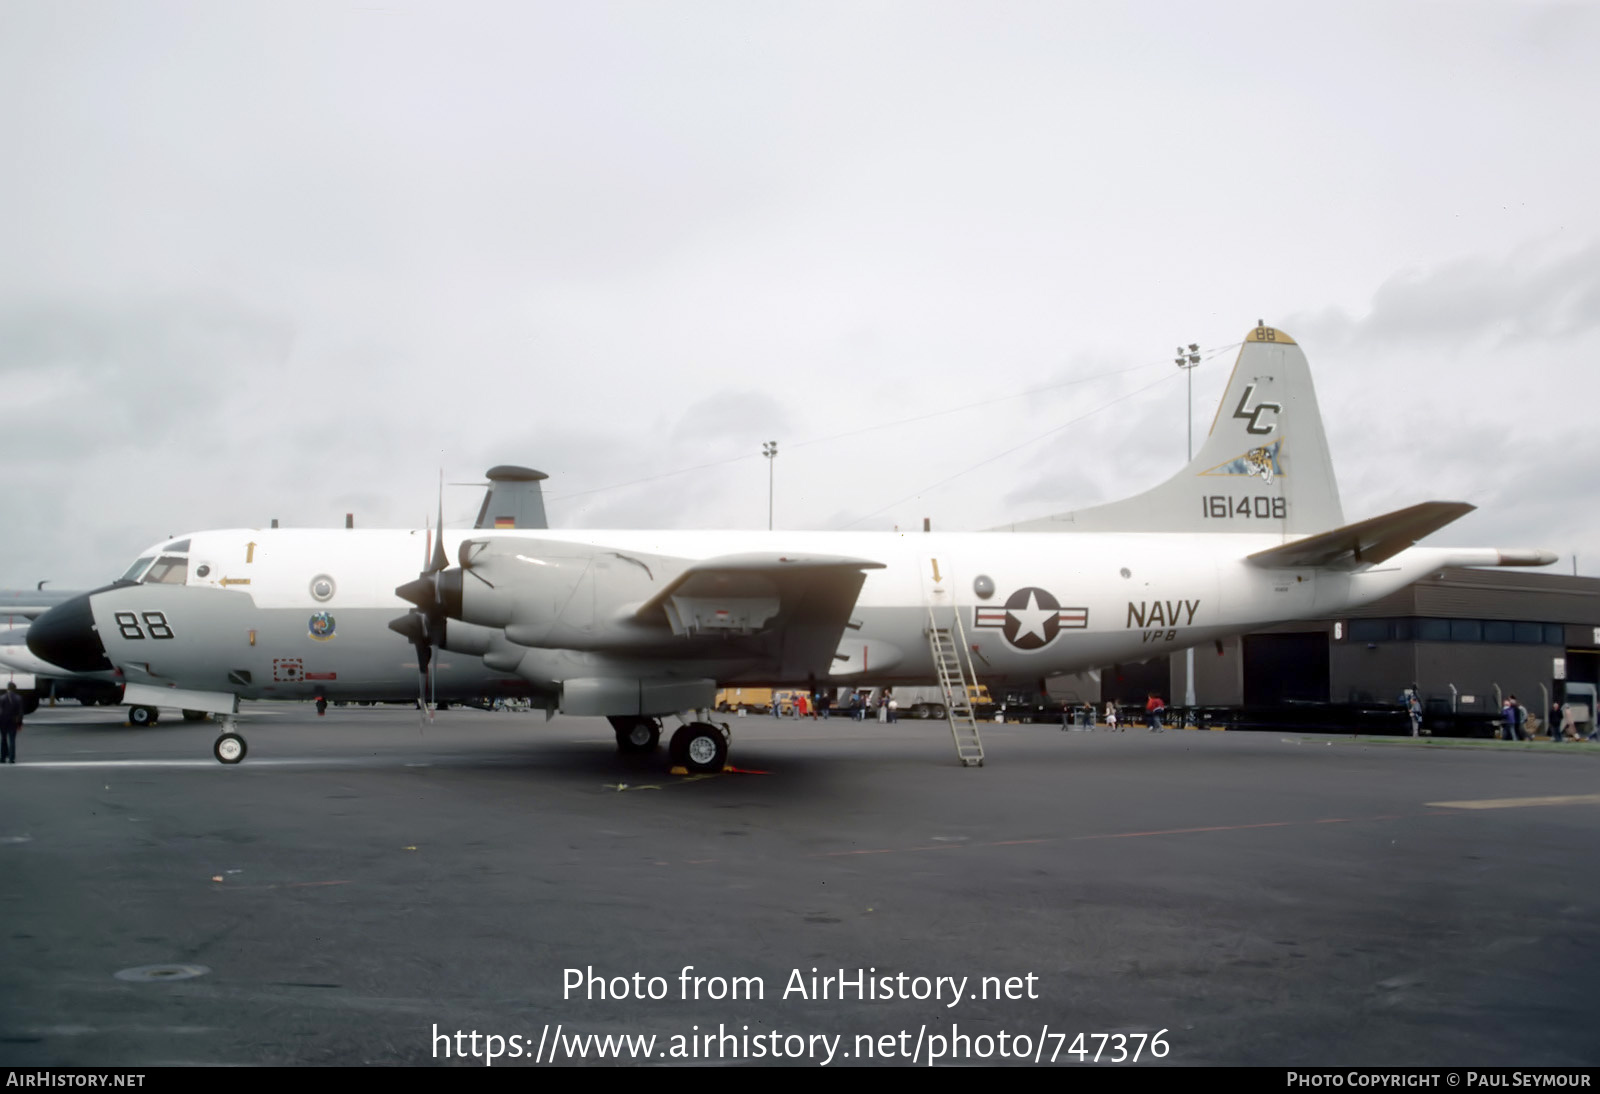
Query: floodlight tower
point(1187, 360)
point(769, 449)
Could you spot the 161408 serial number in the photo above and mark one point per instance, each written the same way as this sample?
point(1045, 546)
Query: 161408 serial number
point(1258, 507)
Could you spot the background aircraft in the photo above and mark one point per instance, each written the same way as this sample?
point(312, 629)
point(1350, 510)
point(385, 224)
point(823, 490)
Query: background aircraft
point(37, 679)
point(637, 625)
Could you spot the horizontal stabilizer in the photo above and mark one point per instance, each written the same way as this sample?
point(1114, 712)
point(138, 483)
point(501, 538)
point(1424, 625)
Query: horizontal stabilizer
point(1365, 542)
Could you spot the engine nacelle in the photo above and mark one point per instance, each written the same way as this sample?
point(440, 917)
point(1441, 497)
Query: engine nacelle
point(553, 595)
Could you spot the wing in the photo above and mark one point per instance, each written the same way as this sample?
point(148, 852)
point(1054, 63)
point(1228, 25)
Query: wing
point(780, 615)
point(801, 602)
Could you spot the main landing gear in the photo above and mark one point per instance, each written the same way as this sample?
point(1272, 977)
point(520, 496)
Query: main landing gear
point(636, 734)
point(700, 747)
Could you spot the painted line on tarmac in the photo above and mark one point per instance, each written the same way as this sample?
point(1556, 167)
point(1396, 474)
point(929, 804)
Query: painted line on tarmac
point(94, 764)
point(1126, 835)
point(1522, 803)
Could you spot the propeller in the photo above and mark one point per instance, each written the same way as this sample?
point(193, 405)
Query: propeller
point(424, 625)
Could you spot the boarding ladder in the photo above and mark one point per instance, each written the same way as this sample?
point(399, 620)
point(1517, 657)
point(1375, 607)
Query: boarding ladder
point(952, 662)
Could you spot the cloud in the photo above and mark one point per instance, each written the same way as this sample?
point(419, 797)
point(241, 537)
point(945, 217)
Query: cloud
point(1539, 292)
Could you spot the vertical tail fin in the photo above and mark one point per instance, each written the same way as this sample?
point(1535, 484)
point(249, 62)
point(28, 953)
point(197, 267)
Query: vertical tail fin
point(514, 499)
point(1264, 467)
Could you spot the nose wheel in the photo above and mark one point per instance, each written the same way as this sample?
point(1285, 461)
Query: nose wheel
point(229, 749)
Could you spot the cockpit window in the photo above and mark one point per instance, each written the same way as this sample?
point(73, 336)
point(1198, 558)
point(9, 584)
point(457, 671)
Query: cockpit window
point(136, 569)
point(176, 547)
point(168, 570)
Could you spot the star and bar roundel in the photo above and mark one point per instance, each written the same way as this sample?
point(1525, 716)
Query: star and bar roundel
point(1031, 618)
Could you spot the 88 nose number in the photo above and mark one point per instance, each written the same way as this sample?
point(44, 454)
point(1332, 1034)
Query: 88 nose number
point(128, 625)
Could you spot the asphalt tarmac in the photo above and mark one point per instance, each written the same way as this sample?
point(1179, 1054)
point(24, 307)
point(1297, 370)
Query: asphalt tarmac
point(363, 888)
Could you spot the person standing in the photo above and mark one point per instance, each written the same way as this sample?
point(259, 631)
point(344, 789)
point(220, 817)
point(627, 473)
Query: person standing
point(1152, 712)
point(1556, 728)
point(10, 722)
point(1508, 720)
point(883, 707)
point(1414, 711)
point(1111, 717)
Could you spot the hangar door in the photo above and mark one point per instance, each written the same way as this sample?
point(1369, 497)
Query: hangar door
point(1134, 682)
point(1285, 668)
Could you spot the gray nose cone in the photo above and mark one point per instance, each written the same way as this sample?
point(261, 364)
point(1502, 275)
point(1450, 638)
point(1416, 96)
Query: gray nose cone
point(66, 636)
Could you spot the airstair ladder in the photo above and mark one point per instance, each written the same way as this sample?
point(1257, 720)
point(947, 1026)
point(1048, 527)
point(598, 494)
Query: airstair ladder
point(954, 665)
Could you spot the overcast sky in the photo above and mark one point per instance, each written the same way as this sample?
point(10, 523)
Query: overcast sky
point(290, 260)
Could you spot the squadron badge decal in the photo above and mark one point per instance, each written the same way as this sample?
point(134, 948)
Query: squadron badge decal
point(1261, 463)
point(321, 626)
point(1031, 618)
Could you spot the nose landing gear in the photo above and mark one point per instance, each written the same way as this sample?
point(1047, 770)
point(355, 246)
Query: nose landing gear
point(229, 747)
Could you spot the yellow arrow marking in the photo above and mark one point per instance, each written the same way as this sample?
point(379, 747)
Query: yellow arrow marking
point(234, 581)
point(249, 553)
point(936, 576)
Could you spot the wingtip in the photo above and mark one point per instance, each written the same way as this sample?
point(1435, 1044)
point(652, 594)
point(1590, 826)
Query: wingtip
point(1527, 557)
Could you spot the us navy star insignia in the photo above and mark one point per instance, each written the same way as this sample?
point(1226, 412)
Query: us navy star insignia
point(1031, 618)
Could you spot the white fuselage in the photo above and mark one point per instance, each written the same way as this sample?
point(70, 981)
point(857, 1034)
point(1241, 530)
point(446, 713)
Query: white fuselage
point(290, 613)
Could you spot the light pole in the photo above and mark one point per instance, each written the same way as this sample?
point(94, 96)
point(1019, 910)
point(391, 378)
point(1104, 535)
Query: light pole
point(769, 449)
point(1187, 360)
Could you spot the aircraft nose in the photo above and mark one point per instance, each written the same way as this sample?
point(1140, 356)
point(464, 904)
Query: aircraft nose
point(66, 636)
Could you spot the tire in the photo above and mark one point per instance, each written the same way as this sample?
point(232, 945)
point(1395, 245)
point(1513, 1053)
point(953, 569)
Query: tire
point(701, 748)
point(638, 735)
point(144, 716)
point(229, 749)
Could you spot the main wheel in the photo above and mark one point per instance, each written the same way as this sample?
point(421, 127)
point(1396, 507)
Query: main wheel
point(700, 747)
point(144, 716)
point(229, 749)
point(635, 734)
